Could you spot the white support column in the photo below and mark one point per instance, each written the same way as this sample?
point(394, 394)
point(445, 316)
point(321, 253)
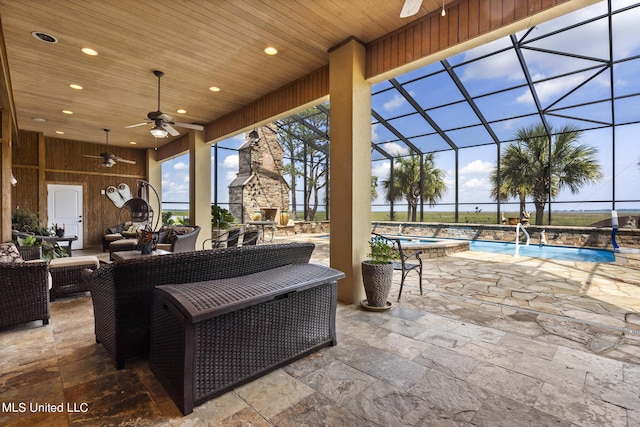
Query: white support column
point(350, 167)
point(200, 185)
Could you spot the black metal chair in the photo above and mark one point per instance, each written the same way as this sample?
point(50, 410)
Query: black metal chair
point(227, 239)
point(403, 265)
point(250, 237)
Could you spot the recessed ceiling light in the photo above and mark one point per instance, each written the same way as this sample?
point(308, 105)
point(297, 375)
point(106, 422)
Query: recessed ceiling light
point(89, 51)
point(270, 50)
point(214, 89)
point(132, 142)
point(181, 111)
point(59, 132)
point(67, 111)
point(44, 37)
point(38, 119)
point(75, 86)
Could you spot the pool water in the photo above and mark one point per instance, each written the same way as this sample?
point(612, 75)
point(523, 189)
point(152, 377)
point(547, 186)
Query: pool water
point(553, 252)
point(566, 253)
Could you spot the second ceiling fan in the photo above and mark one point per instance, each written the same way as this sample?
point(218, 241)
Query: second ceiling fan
point(163, 123)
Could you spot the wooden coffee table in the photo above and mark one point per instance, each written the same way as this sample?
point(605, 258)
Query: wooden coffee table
point(125, 255)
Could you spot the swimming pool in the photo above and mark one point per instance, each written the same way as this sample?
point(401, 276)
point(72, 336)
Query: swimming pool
point(553, 252)
point(566, 253)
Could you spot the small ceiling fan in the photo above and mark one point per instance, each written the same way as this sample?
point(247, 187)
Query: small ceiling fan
point(109, 159)
point(162, 122)
point(410, 8)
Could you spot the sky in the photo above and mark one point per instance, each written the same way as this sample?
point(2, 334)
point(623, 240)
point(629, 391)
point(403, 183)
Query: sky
point(482, 77)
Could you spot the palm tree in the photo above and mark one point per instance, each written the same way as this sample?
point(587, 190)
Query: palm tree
point(406, 183)
point(524, 167)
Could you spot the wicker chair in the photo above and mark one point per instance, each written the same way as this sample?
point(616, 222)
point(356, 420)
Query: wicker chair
point(121, 292)
point(24, 290)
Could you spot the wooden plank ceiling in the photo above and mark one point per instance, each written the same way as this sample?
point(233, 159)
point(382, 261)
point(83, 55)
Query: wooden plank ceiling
point(196, 43)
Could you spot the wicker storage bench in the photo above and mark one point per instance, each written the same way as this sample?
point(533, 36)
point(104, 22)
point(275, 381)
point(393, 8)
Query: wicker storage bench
point(210, 337)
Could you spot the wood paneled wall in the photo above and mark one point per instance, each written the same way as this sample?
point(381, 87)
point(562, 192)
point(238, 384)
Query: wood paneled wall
point(61, 161)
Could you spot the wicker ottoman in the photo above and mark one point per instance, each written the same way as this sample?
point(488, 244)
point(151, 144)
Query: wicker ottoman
point(66, 275)
point(210, 337)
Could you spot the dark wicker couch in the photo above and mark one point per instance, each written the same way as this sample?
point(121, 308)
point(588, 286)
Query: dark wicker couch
point(122, 291)
point(24, 289)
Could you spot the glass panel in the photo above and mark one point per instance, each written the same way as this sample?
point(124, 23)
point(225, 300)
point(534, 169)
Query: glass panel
point(591, 39)
point(391, 104)
point(480, 51)
point(600, 112)
point(627, 168)
point(626, 77)
point(625, 24)
point(454, 116)
point(476, 165)
point(569, 19)
point(508, 104)
point(506, 129)
point(469, 137)
point(491, 74)
point(551, 90)
point(437, 90)
point(412, 125)
point(627, 109)
point(430, 143)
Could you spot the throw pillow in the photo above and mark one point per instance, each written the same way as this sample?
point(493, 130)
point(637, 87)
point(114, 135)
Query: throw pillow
point(9, 253)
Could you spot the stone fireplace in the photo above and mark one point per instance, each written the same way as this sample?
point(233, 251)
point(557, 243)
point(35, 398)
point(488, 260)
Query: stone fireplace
point(259, 185)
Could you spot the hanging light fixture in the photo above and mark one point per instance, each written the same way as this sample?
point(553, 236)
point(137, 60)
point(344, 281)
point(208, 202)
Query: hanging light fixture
point(444, 13)
point(158, 131)
point(253, 135)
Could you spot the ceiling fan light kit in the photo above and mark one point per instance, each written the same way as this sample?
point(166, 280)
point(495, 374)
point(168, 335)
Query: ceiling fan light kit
point(163, 124)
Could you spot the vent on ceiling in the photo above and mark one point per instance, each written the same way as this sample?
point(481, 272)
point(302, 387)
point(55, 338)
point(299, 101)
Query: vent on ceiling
point(47, 38)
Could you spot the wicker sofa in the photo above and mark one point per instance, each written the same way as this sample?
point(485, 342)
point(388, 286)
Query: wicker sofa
point(122, 291)
point(24, 289)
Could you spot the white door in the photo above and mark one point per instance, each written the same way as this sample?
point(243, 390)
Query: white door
point(65, 209)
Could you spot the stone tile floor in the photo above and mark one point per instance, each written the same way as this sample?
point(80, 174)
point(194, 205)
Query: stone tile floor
point(494, 341)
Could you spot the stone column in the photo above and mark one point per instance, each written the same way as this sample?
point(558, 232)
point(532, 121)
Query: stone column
point(350, 167)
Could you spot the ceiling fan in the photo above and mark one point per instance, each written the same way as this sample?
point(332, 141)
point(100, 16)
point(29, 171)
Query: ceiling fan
point(109, 159)
point(410, 8)
point(162, 122)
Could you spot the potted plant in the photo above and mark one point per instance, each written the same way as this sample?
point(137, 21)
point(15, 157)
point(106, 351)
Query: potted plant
point(377, 273)
point(220, 220)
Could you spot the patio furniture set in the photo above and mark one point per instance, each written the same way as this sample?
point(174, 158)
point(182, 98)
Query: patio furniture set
point(211, 320)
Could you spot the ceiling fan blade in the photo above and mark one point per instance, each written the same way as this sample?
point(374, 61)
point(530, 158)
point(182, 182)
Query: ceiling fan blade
point(171, 130)
point(93, 157)
point(410, 8)
point(138, 124)
point(120, 159)
point(188, 125)
point(164, 117)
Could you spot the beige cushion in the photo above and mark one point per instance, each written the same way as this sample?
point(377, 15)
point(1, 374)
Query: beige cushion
point(75, 261)
point(123, 245)
point(164, 246)
point(113, 237)
point(9, 253)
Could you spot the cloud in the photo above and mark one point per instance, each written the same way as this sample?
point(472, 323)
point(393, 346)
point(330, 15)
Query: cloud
point(394, 103)
point(477, 167)
point(395, 149)
point(231, 162)
point(180, 166)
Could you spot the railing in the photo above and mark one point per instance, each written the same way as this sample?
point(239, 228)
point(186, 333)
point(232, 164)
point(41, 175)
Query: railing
point(526, 233)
